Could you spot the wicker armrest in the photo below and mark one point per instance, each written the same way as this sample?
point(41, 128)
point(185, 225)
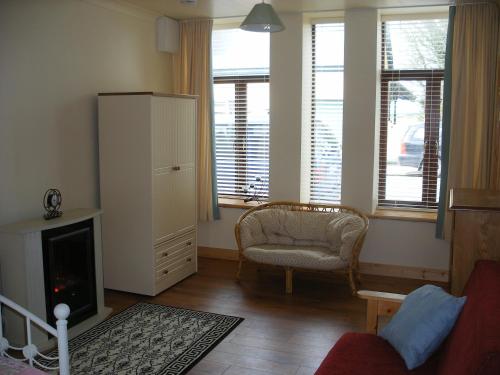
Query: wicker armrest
point(379, 304)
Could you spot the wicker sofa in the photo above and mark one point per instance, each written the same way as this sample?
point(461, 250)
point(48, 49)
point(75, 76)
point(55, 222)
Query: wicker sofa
point(298, 236)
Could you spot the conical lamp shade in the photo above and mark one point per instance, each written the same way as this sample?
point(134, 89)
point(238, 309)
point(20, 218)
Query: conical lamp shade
point(262, 18)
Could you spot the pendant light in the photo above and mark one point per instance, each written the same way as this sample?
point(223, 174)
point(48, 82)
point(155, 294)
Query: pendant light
point(262, 18)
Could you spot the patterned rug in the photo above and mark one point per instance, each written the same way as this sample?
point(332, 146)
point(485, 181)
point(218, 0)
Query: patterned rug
point(148, 339)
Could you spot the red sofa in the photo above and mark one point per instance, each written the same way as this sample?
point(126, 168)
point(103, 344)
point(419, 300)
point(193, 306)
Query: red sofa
point(473, 346)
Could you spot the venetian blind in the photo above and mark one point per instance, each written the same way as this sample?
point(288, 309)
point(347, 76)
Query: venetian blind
point(327, 111)
point(241, 108)
point(411, 108)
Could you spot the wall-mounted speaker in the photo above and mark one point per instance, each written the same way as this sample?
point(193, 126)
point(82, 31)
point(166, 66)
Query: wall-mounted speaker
point(167, 34)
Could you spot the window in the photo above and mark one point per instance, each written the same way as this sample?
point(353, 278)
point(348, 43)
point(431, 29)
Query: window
point(241, 106)
point(326, 112)
point(411, 108)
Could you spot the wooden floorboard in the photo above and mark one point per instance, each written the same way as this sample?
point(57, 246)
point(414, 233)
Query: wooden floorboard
point(281, 334)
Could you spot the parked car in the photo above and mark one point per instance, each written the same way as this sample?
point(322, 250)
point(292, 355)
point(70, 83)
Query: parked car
point(412, 146)
point(327, 165)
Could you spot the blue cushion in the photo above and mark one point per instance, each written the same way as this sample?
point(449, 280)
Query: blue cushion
point(423, 321)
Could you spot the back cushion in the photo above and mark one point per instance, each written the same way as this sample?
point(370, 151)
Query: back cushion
point(294, 227)
point(251, 232)
point(473, 346)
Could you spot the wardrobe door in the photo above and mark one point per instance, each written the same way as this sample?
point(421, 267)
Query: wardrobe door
point(164, 137)
point(185, 120)
point(174, 161)
point(184, 187)
point(185, 177)
point(164, 159)
point(164, 206)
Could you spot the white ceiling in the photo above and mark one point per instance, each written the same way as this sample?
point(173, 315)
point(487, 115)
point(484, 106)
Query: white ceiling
point(233, 8)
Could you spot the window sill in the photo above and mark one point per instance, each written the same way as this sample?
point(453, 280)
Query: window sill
point(406, 215)
point(380, 213)
point(236, 203)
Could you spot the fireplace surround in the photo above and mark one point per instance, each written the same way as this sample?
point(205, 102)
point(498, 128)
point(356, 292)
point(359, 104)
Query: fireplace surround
point(62, 257)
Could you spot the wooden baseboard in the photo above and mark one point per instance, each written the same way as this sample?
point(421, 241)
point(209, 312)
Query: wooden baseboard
point(390, 270)
point(217, 253)
point(404, 272)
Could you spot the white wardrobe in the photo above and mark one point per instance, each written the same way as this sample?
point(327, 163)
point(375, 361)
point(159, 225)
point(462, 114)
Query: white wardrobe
point(147, 160)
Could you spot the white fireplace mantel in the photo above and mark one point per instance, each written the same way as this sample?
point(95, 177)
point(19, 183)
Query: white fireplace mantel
point(22, 277)
point(40, 224)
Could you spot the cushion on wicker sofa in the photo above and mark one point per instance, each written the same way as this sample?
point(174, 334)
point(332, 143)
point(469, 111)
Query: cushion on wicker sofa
point(312, 257)
point(304, 239)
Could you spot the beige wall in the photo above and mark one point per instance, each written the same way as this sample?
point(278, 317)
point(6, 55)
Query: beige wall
point(392, 242)
point(55, 55)
point(361, 116)
point(285, 94)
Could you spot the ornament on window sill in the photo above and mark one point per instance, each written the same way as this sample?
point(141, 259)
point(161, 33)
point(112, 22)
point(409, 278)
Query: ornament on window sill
point(52, 202)
point(254, 190)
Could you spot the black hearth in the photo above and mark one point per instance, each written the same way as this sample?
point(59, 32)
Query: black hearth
point(69, 270)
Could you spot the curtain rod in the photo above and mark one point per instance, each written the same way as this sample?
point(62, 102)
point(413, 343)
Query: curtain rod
point(445, 4)
point(472, 2)
point(344, 9)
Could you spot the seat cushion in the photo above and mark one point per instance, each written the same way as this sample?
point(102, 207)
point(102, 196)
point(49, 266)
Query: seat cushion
point(366, 354)
point(310, 257)
point(473, 346)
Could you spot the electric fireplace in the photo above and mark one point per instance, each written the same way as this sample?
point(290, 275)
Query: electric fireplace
point(69, 270)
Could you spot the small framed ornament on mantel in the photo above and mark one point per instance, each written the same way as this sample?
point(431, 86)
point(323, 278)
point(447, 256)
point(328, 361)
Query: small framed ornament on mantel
point(52, 202)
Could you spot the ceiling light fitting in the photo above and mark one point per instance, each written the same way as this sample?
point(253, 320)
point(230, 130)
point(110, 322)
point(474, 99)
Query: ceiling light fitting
point(189, 2)
point(262, 18)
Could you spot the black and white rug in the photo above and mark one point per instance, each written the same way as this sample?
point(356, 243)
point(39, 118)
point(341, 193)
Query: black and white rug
point(148, 339)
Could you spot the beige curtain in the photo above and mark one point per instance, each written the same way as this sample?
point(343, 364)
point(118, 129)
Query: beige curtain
point(474, 142)
point(495, 170)
point(192, 76)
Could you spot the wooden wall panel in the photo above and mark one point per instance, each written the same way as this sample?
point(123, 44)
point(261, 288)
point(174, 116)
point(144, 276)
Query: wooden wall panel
point(476, 233)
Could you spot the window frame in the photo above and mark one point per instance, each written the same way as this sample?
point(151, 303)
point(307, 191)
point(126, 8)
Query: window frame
point(432, 109)
point(240, 123)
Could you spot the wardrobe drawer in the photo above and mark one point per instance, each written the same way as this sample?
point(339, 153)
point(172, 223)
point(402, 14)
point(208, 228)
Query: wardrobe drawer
point(175, 276)
point(169, 252)
point(168, 269)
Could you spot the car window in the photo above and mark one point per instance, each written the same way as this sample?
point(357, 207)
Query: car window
point(419, 134)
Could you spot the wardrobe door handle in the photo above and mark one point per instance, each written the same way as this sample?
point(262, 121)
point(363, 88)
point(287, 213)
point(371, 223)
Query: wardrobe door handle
point(188, 260)
point(189, 243)
point(176, 168)
point(164, 255)
point(165, 272)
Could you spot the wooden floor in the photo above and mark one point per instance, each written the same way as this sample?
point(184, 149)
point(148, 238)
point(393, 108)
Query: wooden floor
point(281, 334)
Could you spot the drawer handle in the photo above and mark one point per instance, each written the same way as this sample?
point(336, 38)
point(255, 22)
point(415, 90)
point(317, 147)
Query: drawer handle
point(176, 168)
point(189, 243)
point(164, 255)
point(188, 260)
point(165, 272)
